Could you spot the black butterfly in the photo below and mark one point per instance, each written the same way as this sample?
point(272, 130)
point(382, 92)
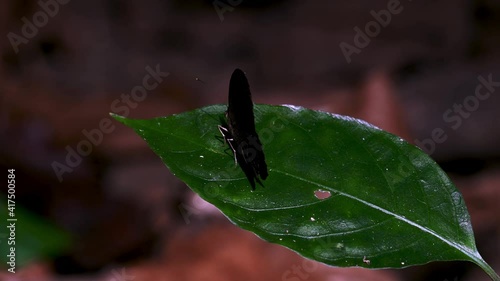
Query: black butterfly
point(239, 132)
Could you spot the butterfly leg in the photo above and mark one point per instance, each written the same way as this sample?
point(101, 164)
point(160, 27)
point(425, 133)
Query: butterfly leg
point(225, 132)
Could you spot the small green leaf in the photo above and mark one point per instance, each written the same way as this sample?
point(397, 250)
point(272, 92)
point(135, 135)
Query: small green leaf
point(30, 236)
point(388, 204)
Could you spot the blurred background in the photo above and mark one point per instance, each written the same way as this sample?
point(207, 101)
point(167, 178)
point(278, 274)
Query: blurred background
point(116, 213)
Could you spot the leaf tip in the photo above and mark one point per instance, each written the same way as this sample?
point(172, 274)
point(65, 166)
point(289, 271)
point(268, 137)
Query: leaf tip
point(117, 117)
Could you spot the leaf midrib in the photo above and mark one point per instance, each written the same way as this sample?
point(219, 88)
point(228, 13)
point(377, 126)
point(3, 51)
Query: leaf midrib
point(422, 228)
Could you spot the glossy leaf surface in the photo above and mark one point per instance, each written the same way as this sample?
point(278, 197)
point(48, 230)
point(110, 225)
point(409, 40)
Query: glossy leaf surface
point(388, 204)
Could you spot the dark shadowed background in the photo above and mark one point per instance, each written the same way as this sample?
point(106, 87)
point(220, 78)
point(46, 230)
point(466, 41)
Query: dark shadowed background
point(113, 211)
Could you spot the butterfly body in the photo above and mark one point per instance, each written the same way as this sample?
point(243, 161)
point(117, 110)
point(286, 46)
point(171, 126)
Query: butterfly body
point(240, 132)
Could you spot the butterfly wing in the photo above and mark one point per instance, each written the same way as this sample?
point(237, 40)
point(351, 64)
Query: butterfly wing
point(241, 124)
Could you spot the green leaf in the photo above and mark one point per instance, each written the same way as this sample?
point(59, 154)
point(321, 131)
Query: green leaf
point(389, 204)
